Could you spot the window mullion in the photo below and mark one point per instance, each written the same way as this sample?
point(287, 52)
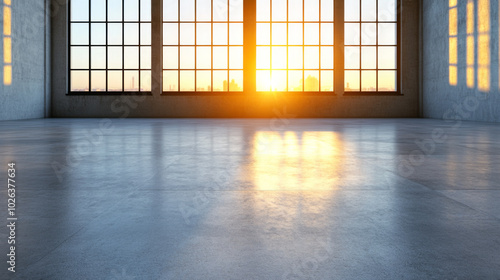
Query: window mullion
point(156, 47)
point(339, 47)
point(249, 46)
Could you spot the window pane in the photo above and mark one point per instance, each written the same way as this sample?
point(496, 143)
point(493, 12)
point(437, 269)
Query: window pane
point(145, 57)
point(311, 10)
point(79, 80)
point(220, 57)
point(368, 80)
point(145, 10)
point(98, 82)
point(279, 58)
point(278, 80)
point(187, 80)
point(387, 10)
point(311, 34)
point(115, 80)
point(326, 57)
point(387, 34)
point(187, 34)
point(295, 80)
point(220, 81)
point(351, 81)
point(170, 57)
point(98, 36)
point(131, 10)
point(236, 78)
point(351, 35)
point(187, 12)
point(79, 33)
point(294, 10)
point(131, 55)
point(114, 10)
point(279, 33)
point(351, 10)
point(235, 10)
point(369, 33)
point(236, 33)
point(115, 57)
point(263, 80)
point(203, 80)
point(327, 81)
point(387, 80)
point(327, 33)
point(187, 58)
point(327, 10)
point(204, 10)
point(170, 80)
point(220, 33)
point(170, 33)
point(294, 57)
point(295, 33)
point(263, 57)
point(311, 81)
point(204, 57)
point(236, 57)
point(98, 57)
point(98, 12)
point(368, 57)
point(264, 33)
point(279, 10)
point(203, 34)
point(263, 10)
point(170, 10)
point(79, 58)
point(220, 10)
point(131, 80)
point(80, 10)
point(387, 57)
point(145, 33)
point(368, 10)
point(145, 81)
point(311, 57)
point(131, 34)
point(114, 34)
point(351, 55)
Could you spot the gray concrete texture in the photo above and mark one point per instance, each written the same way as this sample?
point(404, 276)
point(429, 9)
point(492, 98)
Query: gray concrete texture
point(244, 199)
point(28, 96)
point(479, 101)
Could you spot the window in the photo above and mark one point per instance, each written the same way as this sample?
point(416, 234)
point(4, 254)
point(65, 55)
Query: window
point(110, 46)
point(295, 45)
point(202, 45)
point(370, 46)
point(203, 50)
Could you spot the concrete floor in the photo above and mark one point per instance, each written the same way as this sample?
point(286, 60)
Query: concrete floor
point(253, 199)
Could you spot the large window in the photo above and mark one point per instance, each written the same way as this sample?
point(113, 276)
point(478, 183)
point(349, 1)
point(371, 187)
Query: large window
point(110, 46)
point(204, 46)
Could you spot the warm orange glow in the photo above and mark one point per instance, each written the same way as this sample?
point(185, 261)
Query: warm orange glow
point(290, 161)
point(470, 44)
point(483, 43)
point(452, 46)
point(7, 75)
point(7, 43)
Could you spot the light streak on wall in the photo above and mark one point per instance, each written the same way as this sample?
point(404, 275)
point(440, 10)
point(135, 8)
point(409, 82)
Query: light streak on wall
point(7, 42)
point(453, 55)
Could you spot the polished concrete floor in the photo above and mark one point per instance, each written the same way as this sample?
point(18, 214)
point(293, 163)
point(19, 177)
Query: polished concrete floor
point(253, 199)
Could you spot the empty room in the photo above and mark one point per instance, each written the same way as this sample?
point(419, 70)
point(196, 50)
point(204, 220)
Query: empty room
point(250, 139)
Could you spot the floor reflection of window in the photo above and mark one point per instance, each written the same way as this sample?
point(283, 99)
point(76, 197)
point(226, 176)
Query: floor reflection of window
point(203, 45)
point(110, 45)
point(371, 51)
point(295, 45)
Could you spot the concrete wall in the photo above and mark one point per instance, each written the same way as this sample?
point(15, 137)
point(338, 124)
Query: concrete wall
point(246, 105)
point(474, 97)
point(28, 95)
